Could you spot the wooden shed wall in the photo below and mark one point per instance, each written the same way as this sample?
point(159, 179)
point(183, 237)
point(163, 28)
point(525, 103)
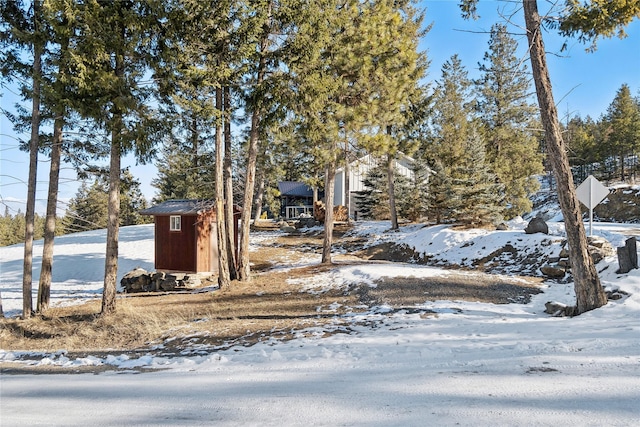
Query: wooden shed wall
point(175, 250)
point(207, 243)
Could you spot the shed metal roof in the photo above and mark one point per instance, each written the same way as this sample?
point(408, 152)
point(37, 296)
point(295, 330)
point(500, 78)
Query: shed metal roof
point(180, 207)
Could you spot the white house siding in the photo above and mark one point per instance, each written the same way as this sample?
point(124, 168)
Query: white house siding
point(357, 172)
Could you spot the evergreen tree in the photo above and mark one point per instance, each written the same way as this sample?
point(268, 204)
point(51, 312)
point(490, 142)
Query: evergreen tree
point(440, 194)
point(452, 111)
point(60, 16)
point(585, 148)
point(589, 291)
point(622, 122)
point(113, 53)
point(452, 125)
point(132, 201)
point(177, 176)
point(373, 202)
point(88, 209)
point(323, 88)
point(12, 227)
point(479, 194)
point(23, 29)
point(391, 68)
point(507, 120)
point(415, 204)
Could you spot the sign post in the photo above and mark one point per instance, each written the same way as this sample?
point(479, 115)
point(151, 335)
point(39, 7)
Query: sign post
point(590, 193)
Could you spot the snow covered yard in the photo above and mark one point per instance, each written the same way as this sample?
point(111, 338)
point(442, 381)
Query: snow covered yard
point(440, 362)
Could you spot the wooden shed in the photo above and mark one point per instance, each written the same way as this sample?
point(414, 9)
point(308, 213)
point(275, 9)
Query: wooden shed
point(186, 235)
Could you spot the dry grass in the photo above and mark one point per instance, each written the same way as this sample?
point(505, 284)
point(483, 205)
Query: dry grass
point(246, 312)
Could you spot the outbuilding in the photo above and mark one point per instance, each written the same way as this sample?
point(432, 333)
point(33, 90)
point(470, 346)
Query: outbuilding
point(186, 235)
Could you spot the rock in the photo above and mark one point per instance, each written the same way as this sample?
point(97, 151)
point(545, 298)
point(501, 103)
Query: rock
point(559, 309)
point(289, 229)
point(169, 282)
point(537, 225)
point(553, 272)
point(502, 227)
point(136, 281)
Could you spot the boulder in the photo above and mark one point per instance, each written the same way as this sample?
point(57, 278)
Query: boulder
point(559, 309)
point(537, 225)
point(137, 280)
point(553, 272)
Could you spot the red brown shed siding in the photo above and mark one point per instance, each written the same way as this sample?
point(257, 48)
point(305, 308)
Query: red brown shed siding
point(195, 247)
point(175, 250)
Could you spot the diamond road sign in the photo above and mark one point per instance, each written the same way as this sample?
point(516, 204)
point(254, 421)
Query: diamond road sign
point(591, 192)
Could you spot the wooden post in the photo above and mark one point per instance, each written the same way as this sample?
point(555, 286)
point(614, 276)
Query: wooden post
point(630, 244)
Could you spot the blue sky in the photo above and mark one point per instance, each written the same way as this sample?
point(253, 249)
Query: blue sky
point(584, 83)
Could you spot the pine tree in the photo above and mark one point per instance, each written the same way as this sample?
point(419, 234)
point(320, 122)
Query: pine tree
point(452, 110)
point(452, 127)
point(390, 70)
point(177, 176)
point(589, 291)
point(479, 197)
point(373, 202)
point(622, 122)
point(507, 120)
point(88, 209)
point(113, 53)
point(23, 30)
point(440, 196)
point(323, 90)
point(415, 204)
point(59, 15)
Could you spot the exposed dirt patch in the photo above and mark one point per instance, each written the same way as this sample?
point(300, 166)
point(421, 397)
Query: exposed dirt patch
point(407, 291)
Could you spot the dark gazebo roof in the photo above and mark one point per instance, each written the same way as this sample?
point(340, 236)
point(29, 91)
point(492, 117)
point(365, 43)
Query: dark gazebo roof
point(295, 189)
point(180, 207)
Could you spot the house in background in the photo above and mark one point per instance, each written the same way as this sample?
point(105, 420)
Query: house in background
point(358, 171)
point(296, 199)
point(186, 235)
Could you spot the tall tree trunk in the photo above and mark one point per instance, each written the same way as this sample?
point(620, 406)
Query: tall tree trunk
point(347, 179)
point(244, 269)
point(224, 279)
point(113, 217)
point(113, 204)
point(587, 286)
point(44, 285)
point(27, 274)
point(259, 198)
point(392, 192)
point(329, 187)
point(228, 188)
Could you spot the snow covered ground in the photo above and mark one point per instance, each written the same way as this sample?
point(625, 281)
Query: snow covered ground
point(455, 363)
